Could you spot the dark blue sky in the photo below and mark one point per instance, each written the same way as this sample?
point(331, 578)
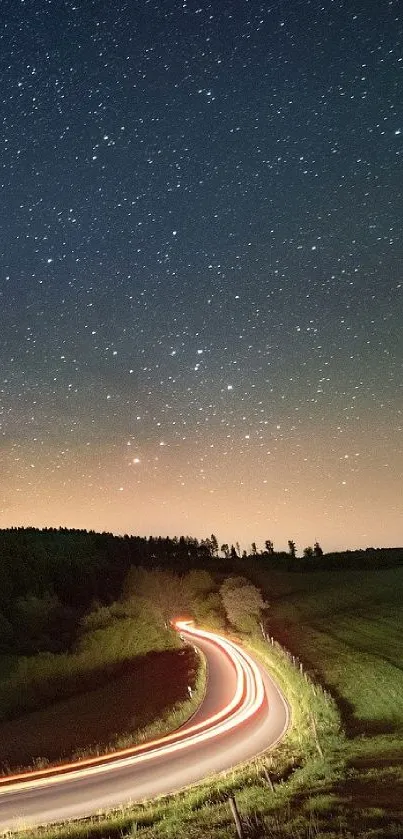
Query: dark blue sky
point(200, 289)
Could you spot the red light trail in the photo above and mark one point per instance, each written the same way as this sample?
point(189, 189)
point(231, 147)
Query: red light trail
point(248, 697)
point(242, 714)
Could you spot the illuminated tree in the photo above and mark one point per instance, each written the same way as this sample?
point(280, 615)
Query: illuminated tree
point(243, 603)
point(198, 584)
point(165, 591)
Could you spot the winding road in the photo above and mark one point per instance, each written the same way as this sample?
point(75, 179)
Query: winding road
point(243, 713)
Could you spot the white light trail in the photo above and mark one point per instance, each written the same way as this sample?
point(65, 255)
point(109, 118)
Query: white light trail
point(248, 698)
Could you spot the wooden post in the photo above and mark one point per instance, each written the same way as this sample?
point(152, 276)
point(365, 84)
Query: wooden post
point(315, 734)
point(236, 816)
point(268, 778)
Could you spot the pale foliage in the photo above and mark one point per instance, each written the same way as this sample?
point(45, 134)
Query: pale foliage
point(243, 603)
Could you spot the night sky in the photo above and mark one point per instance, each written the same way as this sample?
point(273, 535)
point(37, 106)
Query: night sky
point(201, 284)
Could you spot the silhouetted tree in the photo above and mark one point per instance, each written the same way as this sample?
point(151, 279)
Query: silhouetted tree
point(214, 544)
point(317, 549)
point(206, 546)
point(308, 552)
point(225, 550)
point(269, 547)
point(234, 554)
point(254, 549)
point(292, 548)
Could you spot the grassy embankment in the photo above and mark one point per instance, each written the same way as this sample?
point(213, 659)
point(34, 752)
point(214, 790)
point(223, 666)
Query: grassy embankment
point(304, 761)
point(123, 663)
point(347, 628)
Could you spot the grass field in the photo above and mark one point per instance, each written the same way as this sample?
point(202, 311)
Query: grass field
point(70, 728)
point(346, 627)
point(32, 682)
point(203, 812)
point(130, 667)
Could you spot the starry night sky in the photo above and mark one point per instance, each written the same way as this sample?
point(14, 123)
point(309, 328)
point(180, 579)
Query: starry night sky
point(201, 285)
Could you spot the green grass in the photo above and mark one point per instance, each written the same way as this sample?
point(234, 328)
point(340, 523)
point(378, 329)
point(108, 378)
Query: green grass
point(141, 693)
point(346, 626)
point(147, 698)
point(203, 811)
point(8, 664)
point(125, 660)
point(32, 682)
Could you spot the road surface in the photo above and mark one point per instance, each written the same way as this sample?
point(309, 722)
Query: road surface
point(243, 713)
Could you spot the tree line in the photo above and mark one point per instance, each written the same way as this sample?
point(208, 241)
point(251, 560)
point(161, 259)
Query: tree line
point(49, 577)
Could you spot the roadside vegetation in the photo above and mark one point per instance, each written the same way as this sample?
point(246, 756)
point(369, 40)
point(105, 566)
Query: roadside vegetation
point(126, 659)
point(302, 766)
point(332, 626)
point(346, 628)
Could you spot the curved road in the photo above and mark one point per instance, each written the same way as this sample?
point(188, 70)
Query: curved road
point(243, 713)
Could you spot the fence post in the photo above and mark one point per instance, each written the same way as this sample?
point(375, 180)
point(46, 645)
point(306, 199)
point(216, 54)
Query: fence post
point(315, 734)
point(268, 778)
point(236, 816)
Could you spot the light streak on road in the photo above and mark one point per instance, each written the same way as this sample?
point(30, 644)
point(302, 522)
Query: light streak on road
point(249, 696)
point(242, 714)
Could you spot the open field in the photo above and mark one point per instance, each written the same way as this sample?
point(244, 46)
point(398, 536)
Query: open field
point(261, 794)
point(346, 628)
point(130, 668)
point(344, 625)
point(110, 637)
point(145, 689)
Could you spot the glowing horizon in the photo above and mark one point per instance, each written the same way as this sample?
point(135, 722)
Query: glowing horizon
point(201, 285)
